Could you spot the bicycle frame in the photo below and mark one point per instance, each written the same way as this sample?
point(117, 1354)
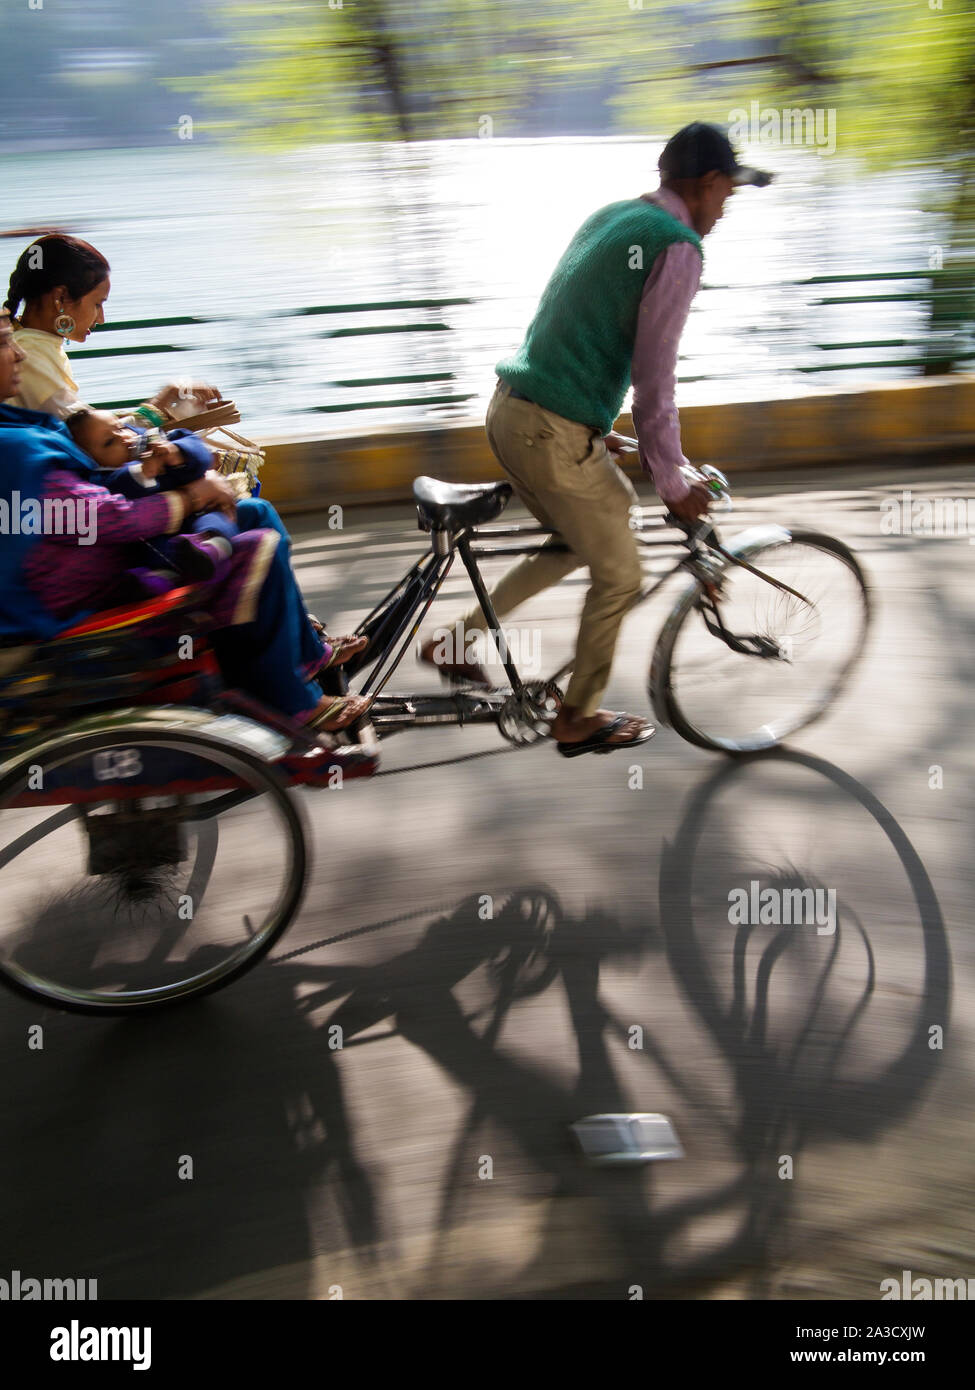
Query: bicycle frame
point(391, 712)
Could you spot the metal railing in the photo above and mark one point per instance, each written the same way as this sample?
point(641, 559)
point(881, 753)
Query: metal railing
point(349, 330)
point(945, 345)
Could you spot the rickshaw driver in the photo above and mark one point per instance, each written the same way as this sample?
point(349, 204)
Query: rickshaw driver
point(612, 312)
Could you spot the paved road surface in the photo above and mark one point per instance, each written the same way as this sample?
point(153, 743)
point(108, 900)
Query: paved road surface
point(430, 1156)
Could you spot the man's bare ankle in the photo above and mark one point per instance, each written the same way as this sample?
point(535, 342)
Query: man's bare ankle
point(571, 720)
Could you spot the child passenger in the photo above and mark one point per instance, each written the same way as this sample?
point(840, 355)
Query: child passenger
point(138, 463)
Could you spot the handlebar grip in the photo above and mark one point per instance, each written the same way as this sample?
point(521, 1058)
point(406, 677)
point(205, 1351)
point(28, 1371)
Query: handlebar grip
point(688, 527)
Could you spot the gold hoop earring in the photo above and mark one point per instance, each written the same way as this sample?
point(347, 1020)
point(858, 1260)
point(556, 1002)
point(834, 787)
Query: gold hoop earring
point(64, 325)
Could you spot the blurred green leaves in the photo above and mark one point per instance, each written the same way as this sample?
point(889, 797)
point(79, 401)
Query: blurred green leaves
point(900, 73)
point(426, 69)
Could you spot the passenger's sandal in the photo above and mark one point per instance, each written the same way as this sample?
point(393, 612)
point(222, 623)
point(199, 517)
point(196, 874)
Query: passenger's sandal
point(332, 714)
point(343, 648)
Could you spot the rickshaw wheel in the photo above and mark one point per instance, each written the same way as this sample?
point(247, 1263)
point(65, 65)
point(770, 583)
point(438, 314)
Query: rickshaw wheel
point(143, 863)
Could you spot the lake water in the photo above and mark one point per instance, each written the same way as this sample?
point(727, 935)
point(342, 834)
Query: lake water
point(242, 238)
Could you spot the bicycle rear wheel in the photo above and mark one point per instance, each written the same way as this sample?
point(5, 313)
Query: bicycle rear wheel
point(737, 702)
point(142, 866)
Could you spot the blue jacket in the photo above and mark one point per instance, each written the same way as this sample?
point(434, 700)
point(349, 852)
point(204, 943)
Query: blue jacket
point(197, 456)
point(31, 444)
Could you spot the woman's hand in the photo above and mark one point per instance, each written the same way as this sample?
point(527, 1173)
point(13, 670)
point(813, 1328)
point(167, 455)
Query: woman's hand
point(199, 391)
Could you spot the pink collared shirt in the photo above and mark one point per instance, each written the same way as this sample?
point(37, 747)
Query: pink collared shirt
point(671, 285)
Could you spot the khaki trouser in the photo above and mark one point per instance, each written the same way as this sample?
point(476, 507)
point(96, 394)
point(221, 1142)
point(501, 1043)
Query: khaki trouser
point(566, 477)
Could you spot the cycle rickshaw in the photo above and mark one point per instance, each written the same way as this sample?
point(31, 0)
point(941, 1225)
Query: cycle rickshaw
point(152, 847)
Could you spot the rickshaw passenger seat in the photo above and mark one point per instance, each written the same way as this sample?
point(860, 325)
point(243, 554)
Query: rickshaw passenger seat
point(132, 614)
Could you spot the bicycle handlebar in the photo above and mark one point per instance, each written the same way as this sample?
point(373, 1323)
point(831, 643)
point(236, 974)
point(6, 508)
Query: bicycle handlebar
point(713, 479)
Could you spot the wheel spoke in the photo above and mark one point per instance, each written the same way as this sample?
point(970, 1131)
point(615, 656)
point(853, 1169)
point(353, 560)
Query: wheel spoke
point(134, 896)
point(736, 701)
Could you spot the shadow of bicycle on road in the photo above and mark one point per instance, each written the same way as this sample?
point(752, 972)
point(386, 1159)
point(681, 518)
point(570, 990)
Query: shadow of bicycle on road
point(786, 1008)
point(302, 1145)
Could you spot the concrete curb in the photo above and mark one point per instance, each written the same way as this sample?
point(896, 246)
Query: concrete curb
point(924, 416)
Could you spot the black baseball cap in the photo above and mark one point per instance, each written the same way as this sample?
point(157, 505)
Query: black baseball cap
point(699, 148)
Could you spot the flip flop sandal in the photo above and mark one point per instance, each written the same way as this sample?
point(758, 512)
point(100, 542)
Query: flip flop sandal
point(599, 742)
point(453, 673)
point(463, 675)
point(343, 648)
point(324, 720)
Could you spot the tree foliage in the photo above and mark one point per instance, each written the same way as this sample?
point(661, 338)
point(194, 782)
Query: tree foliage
point(389, 69)
point(899, 73)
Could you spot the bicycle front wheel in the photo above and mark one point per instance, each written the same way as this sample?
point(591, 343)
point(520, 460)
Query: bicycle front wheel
point(801, 646)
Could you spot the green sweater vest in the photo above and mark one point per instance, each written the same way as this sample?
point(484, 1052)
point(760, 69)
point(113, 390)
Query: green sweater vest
point(575, 360)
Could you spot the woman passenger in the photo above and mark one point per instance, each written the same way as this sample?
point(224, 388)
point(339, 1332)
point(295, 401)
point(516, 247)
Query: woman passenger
point(63, 283)
point(48, 581)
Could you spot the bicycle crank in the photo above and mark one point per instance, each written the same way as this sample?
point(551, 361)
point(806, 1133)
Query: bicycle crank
point(528, 714)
